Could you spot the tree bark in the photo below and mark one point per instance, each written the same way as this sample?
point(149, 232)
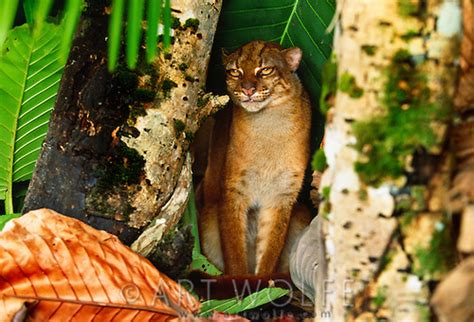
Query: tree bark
point(117, 151)
point(383, 213)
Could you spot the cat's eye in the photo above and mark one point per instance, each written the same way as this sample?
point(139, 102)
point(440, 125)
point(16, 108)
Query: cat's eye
point(265, 71)
point(233, 73)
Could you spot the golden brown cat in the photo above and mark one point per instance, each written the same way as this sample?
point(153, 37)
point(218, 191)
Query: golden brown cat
point(257, 158)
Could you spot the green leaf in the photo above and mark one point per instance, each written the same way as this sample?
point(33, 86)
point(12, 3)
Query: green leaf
point(30, 71)
point(5, 218)
point(71, 18)
point(200, 262)
point(115, 32)
point(167, 24)
point(29, 9)
point(153, 16)
point(301, 23)
point(236, 305)
point(41, 10)
point(134, 31)
point(7, 14)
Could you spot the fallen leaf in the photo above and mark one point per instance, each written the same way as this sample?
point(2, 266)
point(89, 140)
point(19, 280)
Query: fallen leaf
point(61, 269)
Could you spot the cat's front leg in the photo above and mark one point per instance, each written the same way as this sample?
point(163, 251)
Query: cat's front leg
point(233, 228)
point(273, 225)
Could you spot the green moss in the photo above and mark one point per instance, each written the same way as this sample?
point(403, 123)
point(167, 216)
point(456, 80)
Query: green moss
point(407, 8)
point(183, 66)
point(363, 194)
point(175, 23)
point(202, 101)
point(135, 112)
point(189, 78)
point(179, 126)
point(388, 140)
point(438, 257)
point(369, 49)
point(319, 161)
point(189, 136)
point(410, 35)
point(347, 84)
point(126, 166)
point(329, 88)
point(192, 23)
point(325, 193)
point(126, 79)
point(166, 86)
point(144, 95)
point(380, 297)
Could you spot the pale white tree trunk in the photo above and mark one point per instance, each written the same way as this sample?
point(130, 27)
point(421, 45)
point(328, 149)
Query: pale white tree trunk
point(168, 127)
point(358, 224)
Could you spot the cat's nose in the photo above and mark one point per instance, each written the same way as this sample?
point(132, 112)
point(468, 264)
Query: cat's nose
point(248, 89)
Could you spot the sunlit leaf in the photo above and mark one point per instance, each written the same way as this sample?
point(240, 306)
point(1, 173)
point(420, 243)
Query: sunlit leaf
point(7, 14)
point(30, 72)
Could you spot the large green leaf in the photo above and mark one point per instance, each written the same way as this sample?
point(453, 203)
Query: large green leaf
point(236, 305)
point(301, 23)
point(30, 71)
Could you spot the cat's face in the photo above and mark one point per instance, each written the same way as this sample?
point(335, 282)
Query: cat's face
point(259, 73)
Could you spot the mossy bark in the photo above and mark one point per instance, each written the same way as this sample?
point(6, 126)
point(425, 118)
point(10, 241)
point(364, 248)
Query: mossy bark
point(385, 147)
point(117, 151)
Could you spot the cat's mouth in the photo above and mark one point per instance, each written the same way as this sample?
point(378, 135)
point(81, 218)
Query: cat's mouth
point(254, 105)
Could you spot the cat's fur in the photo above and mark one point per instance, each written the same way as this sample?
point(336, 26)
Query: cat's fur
point(257, 159)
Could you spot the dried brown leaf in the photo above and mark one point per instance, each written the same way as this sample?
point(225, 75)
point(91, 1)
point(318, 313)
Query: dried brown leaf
point(73, 272)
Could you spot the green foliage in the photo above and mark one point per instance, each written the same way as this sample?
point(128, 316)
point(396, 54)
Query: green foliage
point(347, 84)
point(134, 31)
point(199, 262)
point(329, 88)
point(5, 218)
point(71, 18)
point(407, 8)
point(236, 305)
point(301, 23)
point(319, 161)
point(156, 11)
point(438, 257)
point(387, 141)
point(153, 17)
point(380, 297)
point(30, 71)
point(7, 15)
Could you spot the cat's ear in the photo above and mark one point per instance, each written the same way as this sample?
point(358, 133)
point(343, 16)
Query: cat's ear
point(224, 55)
point(293, 57)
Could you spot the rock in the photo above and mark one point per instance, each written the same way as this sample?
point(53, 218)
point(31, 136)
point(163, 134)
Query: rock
point(454, 297)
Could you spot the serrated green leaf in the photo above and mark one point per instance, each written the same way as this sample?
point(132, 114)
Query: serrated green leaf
point(235, 305)
point(301, 23)
point(6, 218)
point(30, 71)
